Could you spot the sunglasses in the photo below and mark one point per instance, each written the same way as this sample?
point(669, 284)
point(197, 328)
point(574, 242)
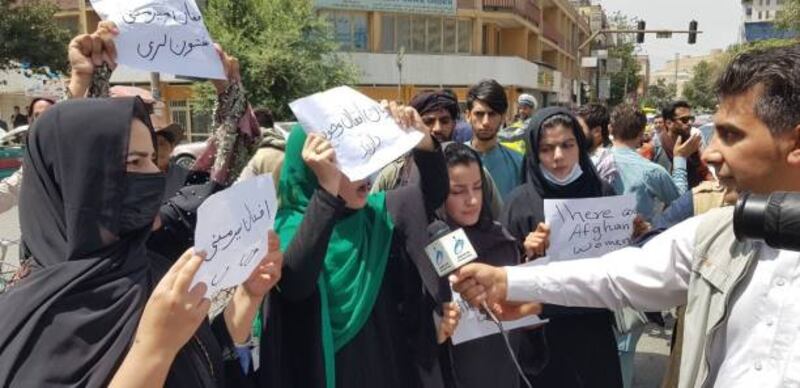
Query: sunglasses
point(686, 119)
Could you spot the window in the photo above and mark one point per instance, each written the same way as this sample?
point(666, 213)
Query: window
point(197, 124)
point(464, 36)
point(434, 35)
point(418, 31)
point(426, 34)
point(759, 15)
point(767, 14)
point(349, 29)
point(449, 36)
point(387, 33)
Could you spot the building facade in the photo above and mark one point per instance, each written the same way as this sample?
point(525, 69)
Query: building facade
point(759, 20)
point(401, 48)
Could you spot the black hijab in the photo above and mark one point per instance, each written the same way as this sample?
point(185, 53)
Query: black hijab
point(69, 322)
point(524, 209)
point(490, 240)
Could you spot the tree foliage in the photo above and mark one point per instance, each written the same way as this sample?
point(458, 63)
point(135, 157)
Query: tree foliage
point(700, 90)
point(789, 17)
point(285, 49)
point(625, 81)
point(659, 94)
point(29, 36)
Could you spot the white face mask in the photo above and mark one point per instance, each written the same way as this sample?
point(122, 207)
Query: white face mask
point(576, 173)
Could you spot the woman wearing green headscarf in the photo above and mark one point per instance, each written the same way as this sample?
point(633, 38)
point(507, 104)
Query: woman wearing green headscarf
point(354, 306)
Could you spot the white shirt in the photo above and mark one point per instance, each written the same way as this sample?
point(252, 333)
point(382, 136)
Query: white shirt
point(9, 191)
point(759, 345)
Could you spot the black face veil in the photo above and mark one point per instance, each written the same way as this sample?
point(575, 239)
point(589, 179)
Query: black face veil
point(70, 321)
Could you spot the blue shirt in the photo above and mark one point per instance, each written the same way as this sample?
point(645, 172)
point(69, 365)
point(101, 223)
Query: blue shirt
point(647, 180)
point(505, 166)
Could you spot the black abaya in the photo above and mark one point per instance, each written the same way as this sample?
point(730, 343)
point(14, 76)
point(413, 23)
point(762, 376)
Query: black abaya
point(581, 347)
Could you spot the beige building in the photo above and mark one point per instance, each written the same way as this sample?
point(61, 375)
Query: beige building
point(680, 70)
point(529, 46)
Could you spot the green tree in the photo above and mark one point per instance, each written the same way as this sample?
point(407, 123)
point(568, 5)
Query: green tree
point(700, 90)
point(789, 16)
point(285, 49)
point(659, 94)
point(29, 36)
point(625, 81)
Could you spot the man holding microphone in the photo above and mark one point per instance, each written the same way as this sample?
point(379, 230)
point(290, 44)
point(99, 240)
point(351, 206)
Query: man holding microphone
point(742, 312)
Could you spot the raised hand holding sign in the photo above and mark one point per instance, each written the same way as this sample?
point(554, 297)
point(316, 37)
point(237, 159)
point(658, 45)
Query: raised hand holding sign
point(163, 36)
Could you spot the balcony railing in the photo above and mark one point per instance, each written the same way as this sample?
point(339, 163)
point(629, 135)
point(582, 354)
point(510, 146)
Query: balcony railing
point(551, 32)
point(524, 8)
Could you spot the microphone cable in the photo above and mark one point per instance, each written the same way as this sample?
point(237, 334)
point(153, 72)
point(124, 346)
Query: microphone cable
point(508, 343)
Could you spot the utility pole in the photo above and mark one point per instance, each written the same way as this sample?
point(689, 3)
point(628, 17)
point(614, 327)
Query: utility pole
point(400, 56)
point(677, 60)
point(84, 28)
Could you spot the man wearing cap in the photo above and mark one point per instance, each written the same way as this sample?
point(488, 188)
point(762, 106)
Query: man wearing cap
point(513, 136)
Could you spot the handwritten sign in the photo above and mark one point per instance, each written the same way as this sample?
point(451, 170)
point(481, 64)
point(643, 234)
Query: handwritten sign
point(232, 229)
point(475, 324)
point(162, 35)
point(589, 227)
point(365, 136)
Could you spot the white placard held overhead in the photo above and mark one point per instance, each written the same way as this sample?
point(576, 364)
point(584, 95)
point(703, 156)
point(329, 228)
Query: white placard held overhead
point(365, 136)
point(475, 324)
point(166, 36)
point(589, 227)
point(232, 229)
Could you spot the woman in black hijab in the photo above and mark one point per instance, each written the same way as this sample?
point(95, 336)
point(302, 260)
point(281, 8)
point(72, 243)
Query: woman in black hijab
point(580, 342)
point(85, 219)
point(482, 362)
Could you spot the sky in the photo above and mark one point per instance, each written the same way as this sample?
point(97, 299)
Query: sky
point(720, 21)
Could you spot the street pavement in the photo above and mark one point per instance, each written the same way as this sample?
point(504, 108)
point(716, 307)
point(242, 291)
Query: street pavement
point(651, 352)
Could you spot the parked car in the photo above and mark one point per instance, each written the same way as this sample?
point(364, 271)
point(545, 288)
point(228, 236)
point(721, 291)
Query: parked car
point(186, 154)
point(12, 149)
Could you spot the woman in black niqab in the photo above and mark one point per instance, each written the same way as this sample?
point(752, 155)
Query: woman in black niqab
point(85, 221)
point(578, 344)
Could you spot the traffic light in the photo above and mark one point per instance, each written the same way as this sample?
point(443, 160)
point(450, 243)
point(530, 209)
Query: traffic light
point(640, 35)
point(693, 32)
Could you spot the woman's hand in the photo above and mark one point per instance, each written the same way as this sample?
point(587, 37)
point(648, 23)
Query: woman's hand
point(174, 312)
point(408, 117)
point(319, 156)
point(247, 299)
point(170, 318)
point(451, 314)
point(268, 271)
point(640, 227)
point(231, 67)
point(86, 52)
point(538, 241)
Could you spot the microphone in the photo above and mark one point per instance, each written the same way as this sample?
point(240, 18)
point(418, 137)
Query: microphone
point(448, 251)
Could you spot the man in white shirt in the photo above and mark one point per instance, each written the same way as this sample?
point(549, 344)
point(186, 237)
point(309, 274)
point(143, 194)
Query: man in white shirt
point(743, 313)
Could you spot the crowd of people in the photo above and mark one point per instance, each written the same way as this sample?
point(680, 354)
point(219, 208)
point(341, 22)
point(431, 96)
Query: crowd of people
point(346, 295)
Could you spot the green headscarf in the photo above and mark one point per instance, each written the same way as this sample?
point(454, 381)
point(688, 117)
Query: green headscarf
point(356, 258)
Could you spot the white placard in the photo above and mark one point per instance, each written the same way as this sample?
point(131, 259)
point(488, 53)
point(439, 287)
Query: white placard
point(232, 229)
point(475, 324)
point(162, 36)
point(365, 136)
point(589, 227)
